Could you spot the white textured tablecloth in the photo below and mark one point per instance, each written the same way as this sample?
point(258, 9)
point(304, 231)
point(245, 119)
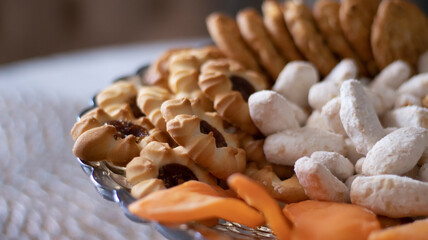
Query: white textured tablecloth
point(44, 194)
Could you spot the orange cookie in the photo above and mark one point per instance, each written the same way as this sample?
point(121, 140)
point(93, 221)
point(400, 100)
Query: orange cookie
point(229, 85)
point(117, 139)
point(225, 33)
point(203, 137)
point(253, 31)
point(275, 25)
point(159, 166)
point(302, 27)
point(326, 13)
point(356, 18)
point(400, 32)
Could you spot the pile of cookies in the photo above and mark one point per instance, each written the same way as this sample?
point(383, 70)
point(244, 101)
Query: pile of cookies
point(327, 105)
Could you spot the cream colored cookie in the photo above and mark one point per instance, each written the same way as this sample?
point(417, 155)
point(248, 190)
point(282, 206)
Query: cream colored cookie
point(229, 85)
point(278, 31)
point(326, 14)
point(149, 100)
point(356, 18)
point(253, 31)
point(225, 33)
point(203, 137)
point(305, 34)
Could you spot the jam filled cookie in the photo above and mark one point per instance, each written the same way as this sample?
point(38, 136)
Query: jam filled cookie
point(255, 34)
point(275, 25)
point(229, 85)
point(225, 33)
point(400, 32)
point(184, 68)
point(117, 139)
point(149, 100)
point(326, 13)
point(117, 95)
point(356, 18)
point(203, 137)
point(301, 25)
point(159, 166)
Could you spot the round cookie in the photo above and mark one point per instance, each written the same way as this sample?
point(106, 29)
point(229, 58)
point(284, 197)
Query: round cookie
point(225, 33)
point(356, 18)
point(203, 137)
point(275, 25)
point(159, 166)
point(326, 14)
point(117, 139)
point(311, 44)
point(400, 32)
point(253, 31)
point(229, 85)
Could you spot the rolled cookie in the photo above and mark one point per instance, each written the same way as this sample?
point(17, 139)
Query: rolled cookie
point(271, 112)
point(404, 100)
point(330, 112)
point(391, 195)
point(393, 75)
point(358, 116)
point(417, 86)
point(406, 116)
point(319, 183)
point(287, 146)
point(295, 80)
point(316, 120)
point(338, 165)
point(397, 152)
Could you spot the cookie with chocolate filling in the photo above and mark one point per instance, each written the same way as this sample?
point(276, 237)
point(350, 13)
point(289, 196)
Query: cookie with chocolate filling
point(159, 166)
point(116, 138)
point(203, 137)
point(228, 84)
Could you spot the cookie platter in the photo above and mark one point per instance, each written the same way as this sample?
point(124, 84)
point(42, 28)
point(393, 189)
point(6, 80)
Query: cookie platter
point(110, 182)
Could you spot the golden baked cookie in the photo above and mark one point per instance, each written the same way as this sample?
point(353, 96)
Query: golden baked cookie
point(253, 31)
point(400, 32)
point(117, 95)
point(117, 139)
point(149, 100)
point(203, 137)
point(157, 73)
point(356, 18)
point(225, 33)
point(159, 166)
point(326, 14)
point(288, 190)
point(228, 84)
point(184, 68)
point(275, 25)
point(302, 27)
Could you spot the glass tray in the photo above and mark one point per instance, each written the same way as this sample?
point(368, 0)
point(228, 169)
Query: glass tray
point(110, 182)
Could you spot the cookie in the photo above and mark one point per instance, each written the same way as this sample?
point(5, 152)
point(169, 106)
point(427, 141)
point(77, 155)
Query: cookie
point(228, 84)
point(356, 18)
point(253, 31)
point(157, 73)
point(99, 136)
point(203, 137)
point(159, 166)
point(301, 25)
point(275, 25)
point(116, 96)
point(225, 33)
point(326, 14)
point(400, 32)
point(184, 68)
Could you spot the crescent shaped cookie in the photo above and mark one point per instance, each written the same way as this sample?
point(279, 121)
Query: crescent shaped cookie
point(302, 27)
point(117, 139)
point(326, 14)
point(356, 18)
point(229, 85)
point(225, 33)
point(159, 166)
point(253, 31)
point(275, 25)
point(203, 137)
point(400, 32)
